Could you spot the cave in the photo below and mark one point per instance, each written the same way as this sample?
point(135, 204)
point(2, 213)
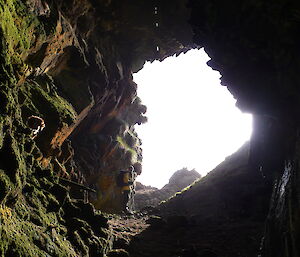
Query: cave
point(68, 106)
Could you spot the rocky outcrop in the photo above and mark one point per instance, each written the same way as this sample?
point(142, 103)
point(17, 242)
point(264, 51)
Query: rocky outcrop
point(231, 187)
point(222, 214)
point(146, 196)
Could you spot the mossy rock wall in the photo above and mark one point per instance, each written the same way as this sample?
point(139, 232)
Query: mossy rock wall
point(67, 65)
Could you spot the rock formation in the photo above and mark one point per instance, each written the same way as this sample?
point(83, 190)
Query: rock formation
point(70, 63)
point(150, 196)
point(222, 213)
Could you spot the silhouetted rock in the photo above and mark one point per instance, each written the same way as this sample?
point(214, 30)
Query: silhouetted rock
point(226, 207)
point(151, 196)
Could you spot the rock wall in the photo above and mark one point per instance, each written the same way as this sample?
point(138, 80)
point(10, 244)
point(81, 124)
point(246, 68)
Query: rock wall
point(254, 45)
point(68, 107)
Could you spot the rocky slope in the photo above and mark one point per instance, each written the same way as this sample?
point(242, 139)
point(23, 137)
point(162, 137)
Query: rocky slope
point(147, 196)
point(220, 215)
point(68, 106)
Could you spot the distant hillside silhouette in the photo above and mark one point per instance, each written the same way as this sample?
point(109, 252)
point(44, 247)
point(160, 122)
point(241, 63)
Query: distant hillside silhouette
point(151, 196)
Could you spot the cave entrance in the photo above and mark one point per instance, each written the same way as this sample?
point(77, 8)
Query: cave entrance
point(192, 120)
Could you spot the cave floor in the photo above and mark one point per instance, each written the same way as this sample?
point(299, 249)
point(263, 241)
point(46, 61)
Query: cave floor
point(148, 235)
point(125, 228)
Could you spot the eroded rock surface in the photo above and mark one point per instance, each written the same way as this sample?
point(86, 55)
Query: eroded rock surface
point(69, 64)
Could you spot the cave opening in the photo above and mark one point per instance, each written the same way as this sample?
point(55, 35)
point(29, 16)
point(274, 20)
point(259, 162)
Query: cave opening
point(192, 123)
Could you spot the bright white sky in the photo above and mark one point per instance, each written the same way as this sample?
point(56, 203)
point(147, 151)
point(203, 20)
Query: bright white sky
point(192, 119)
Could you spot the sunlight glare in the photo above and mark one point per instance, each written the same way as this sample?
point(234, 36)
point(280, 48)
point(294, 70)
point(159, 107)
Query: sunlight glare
point(192, 119)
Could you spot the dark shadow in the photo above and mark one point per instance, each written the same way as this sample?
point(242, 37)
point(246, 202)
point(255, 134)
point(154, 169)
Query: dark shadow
point(222, 215)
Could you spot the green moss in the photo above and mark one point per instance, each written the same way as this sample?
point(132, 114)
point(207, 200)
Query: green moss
point(50, 103)
point(40, 98)
point(20, 237)
point(30, 230)
point(18, 28)
point(31, 221)
point(183, 190)
point(79, 244)
point(129, 149)
point(21, 164)
point(5, 185)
